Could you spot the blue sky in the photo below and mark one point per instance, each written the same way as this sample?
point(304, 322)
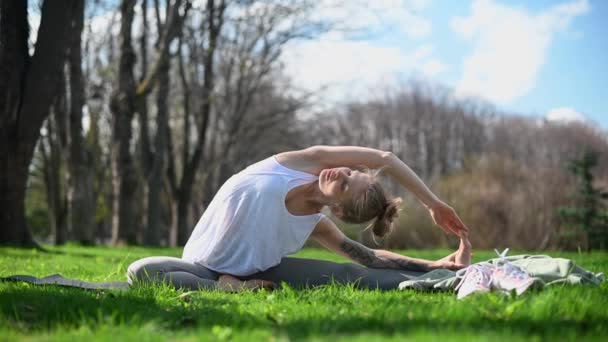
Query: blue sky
point(540, 58)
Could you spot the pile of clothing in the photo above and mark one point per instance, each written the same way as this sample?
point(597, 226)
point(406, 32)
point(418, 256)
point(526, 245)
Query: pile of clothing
point(506, 274)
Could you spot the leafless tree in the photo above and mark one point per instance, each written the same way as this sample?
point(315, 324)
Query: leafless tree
point(124, 106)
point(26, 93)
point(81, 194)
point(180, 189)
point(123, 109)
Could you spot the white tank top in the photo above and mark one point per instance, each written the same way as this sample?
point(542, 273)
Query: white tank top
point(247, 228)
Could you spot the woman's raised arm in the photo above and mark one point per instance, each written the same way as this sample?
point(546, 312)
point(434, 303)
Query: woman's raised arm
point(353, 156)
point(349, 156)
point(443, 215)
point(317, 158)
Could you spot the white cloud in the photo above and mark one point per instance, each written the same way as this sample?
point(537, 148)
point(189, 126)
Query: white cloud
point(433, 67)
point(342, 68)
point(422, 51)
point(378, 15)
point(510, 46)
point(565, 114)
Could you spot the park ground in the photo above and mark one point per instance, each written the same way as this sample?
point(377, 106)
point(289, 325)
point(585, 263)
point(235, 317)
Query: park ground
point(330, 313)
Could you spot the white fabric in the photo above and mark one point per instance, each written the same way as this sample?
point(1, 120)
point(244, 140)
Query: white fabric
point(246, 228)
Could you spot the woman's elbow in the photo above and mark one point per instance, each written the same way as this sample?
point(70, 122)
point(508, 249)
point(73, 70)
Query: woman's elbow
point(387, 158)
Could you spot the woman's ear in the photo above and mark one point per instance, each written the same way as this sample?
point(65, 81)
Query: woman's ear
point(336, 210)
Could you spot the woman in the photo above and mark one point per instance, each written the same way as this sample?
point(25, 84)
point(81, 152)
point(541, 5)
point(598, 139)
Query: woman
point(271, 208)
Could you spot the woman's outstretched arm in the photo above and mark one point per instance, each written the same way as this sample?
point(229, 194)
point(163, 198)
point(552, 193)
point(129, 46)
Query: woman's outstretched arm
point(443, 215)
point(316, 158)
point(328, 235)
point(352, 156)
point(349, 156)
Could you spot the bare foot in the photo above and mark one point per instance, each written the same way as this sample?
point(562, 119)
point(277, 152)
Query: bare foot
point(230, 283)
point(464, 253)
point(258, 284)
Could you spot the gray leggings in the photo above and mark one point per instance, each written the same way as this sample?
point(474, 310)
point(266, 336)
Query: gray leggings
point(297, 272)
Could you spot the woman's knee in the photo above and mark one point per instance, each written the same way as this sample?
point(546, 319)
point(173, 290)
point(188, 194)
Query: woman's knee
point(141, 270)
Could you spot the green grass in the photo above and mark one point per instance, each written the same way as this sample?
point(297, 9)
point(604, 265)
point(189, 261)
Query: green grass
point(331, 313)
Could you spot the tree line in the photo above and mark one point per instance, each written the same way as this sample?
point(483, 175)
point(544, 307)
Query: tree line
point(176, 96)
point(506, 175)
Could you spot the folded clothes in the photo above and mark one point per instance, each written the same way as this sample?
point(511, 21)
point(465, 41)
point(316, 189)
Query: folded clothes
point(544, 269)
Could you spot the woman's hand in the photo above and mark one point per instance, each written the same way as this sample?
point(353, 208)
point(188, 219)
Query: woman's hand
point(445, 217)
point(446, 264)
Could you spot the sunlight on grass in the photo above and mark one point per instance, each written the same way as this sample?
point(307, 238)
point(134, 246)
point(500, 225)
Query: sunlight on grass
point(334, 312)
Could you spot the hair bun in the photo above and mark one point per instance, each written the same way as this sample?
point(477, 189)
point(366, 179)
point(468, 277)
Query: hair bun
point(392, 209)
point(384, 224)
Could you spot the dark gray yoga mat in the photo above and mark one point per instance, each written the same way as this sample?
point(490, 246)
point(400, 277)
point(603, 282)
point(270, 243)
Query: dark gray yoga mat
point(58, 279)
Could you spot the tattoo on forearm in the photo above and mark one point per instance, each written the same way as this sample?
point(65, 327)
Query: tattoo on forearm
point(366, 256)
point(358, 252)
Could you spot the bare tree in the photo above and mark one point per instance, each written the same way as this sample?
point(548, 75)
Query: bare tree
point(181, 189)
point(123, 109)
point(230, 67)
point(249, 53)
point(52, 152)
point(26, 93)
point(158, 161)
point(81, 193)
point(124, 105)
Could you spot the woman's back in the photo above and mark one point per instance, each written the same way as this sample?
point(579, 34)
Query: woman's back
point(247, 228)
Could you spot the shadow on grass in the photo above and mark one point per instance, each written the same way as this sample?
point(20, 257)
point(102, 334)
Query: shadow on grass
point(29, 309)
point(35, 308)
point(547, 328)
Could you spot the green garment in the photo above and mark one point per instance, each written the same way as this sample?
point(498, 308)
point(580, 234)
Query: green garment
point(544, 269)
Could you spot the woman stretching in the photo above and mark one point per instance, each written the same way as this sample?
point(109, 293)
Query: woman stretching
point(269, 210)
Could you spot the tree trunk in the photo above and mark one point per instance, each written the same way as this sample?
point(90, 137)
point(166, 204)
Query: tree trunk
point(183, 226)
point(157, 172)
point(52, 146)
point(172, 241)
point(214, 23)
point(81, 194)
point(55, 198)
point(26, 93)
point(153, 165)
point(142, 109)
point(123, 107)
point(12, 190)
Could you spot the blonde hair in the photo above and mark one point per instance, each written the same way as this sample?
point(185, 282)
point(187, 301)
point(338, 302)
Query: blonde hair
point(372, 204)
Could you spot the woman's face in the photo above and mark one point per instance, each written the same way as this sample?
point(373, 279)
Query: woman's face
point(342, 183)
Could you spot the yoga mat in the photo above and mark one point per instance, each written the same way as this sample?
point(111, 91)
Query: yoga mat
point(58, 279)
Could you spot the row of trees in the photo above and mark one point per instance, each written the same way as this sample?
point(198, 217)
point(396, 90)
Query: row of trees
point(505, 174)
point(167, 101)
point(183, 94)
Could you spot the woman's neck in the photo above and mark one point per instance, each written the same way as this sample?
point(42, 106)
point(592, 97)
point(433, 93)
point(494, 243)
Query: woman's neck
point(311, 195)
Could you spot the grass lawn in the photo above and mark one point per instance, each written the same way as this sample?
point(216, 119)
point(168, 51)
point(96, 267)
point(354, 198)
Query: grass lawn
point(331, 313)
